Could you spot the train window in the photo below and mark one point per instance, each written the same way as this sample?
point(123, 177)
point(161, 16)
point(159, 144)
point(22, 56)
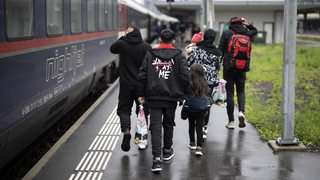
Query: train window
point(115, 14)
point(54, 17)
point(19, 18)
point(91, 16)
point(102, 15)
point(110, 14)
point(76, 16)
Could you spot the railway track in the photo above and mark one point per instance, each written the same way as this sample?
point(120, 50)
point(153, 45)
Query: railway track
point(18, 167)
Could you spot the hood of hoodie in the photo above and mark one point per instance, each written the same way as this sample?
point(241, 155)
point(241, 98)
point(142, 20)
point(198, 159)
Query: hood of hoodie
point(166, 53)
point(238, 28)
point(208, 40)
point(133, 37)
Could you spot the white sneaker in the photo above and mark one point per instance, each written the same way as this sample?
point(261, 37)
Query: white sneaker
point(198, 151)
point(204, 136)
point(205, 129)
point(242, 118)
point(192, 146)
point(230, 125)
point(142, 144)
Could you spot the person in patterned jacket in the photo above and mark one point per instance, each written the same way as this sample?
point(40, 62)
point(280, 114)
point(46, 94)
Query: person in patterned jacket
point(209, 56)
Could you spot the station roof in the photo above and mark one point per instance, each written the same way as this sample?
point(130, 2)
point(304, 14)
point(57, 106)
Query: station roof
point(303, 5)
point(150, 9)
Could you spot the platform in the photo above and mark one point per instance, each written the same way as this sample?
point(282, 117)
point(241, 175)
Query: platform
point(93, 151)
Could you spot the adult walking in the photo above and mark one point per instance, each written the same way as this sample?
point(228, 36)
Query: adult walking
point(131, 50)
point(237, 25)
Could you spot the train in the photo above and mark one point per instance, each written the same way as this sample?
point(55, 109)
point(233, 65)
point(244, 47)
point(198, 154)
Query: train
point(53, 54)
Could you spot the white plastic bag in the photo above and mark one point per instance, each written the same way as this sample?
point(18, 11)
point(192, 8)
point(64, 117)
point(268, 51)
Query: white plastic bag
point(219, 93)
point(141, 136)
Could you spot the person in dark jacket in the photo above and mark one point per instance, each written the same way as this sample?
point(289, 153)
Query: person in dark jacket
point(206, 54)
point(237, 25)
point(163, 81)
point(131, 50)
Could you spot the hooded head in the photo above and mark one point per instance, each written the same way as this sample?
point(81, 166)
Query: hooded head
point(236, 20)
point(209, 36)
point(236, 24)
point(196, 37)
point(134, 37)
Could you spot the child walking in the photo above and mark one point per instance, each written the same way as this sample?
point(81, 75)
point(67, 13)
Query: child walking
point(199, 88)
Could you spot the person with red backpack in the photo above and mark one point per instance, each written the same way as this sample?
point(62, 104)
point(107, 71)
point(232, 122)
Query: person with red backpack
point(235, 44)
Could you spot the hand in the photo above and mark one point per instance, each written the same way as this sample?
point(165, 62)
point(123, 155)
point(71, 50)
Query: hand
point(129, 30)
point(141, 100)
point(245, 22)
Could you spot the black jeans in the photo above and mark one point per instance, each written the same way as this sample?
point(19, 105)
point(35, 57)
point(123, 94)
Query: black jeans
point(235, 79)
point(196, 123)
point(161, 117)
point(127, 95)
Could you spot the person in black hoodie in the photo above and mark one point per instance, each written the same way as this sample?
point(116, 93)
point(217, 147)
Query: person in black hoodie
point(163, 81)
point(237, 25)
point(131, 50)
point(209, 56)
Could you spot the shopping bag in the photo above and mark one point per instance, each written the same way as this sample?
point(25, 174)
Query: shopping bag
point(219, 93)
point(141, 136)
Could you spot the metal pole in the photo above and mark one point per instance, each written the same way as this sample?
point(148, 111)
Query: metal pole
point(288, 74)
point(204, 13)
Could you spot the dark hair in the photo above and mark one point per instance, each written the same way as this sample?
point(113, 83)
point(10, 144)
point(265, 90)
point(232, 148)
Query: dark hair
point(198, 83)
point(167, 35)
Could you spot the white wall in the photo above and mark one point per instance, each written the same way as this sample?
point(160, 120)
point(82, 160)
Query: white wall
point(257, 17)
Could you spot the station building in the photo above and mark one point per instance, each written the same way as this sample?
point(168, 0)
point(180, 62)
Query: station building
point(267, 15)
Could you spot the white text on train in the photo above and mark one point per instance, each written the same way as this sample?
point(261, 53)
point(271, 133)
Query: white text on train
point(61, 63)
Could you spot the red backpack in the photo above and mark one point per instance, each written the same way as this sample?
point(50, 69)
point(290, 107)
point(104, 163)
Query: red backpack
point(239, 49)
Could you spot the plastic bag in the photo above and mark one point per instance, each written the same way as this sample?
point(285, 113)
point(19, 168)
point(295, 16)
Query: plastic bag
point(141, 136)
point(219, 93)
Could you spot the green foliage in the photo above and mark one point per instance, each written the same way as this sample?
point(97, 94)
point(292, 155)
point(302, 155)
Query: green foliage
point(264, 92)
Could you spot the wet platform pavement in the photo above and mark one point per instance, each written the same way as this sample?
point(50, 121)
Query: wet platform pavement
point(227, 154)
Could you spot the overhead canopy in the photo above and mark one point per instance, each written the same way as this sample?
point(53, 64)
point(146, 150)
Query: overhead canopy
point(150, 9)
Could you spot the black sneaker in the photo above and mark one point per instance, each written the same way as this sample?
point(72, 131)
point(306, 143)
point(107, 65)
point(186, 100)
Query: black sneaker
point(156, 164)
point(167, 154)
point(125, 146)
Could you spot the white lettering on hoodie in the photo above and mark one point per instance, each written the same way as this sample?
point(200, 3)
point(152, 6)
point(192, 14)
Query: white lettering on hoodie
point(163, 68)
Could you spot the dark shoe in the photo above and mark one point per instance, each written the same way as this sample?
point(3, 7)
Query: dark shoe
point(156, 165)
point(242, 118)
point(125, 146)
point(167, 154)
